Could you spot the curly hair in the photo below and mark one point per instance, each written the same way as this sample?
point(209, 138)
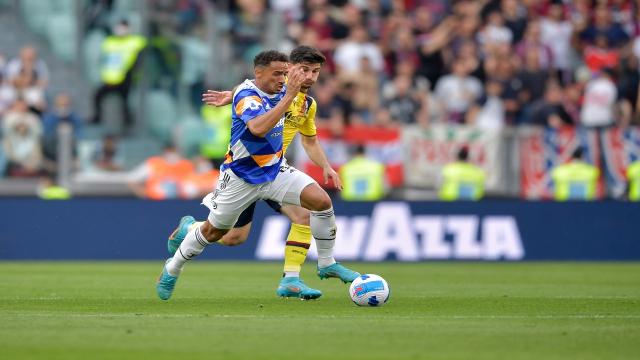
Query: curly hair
point(267, 57)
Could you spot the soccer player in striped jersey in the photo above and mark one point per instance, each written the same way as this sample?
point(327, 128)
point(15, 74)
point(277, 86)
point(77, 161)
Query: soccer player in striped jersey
point(290, 187)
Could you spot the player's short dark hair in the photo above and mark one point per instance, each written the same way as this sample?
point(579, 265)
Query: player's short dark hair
point(267, 57)
point(307, 54)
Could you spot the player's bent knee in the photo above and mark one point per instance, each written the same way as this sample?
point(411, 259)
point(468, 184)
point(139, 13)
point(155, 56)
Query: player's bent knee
point(211, 233)
point(323, 202)
point(315, 199)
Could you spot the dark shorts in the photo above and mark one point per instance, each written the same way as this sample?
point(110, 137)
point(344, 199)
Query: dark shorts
point(247, 215)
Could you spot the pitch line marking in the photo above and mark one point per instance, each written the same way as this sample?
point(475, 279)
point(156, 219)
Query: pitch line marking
point(250, 316)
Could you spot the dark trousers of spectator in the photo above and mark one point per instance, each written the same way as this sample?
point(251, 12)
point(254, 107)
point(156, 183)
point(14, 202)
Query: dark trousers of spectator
point(15, 169)
point(122, 90)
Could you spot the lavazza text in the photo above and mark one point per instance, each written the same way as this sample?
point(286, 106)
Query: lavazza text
point(392, 231)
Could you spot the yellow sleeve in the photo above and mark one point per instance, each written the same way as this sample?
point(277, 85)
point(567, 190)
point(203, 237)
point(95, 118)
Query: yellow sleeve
point(308, 128)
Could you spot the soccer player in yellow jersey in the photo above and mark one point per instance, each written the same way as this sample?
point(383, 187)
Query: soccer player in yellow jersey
point(300, 118)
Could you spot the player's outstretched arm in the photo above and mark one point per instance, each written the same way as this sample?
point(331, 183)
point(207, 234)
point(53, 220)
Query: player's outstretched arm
point(217, 98)
point(262, 124)
point(314, 150)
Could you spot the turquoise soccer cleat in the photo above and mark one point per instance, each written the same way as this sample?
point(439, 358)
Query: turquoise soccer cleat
point(166, 284)
point(178, 235)
point(294, 287)
point(338, 271)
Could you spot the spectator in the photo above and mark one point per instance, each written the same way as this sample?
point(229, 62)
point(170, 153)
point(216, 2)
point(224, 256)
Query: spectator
point(533, 41)
point(248, 28)
point(515, 16)
point(628, 84)
point(107, 157)
point(160, 177)
point(201, 181)
point(432, 48)
point(291, 9)
point(495, 33)
point(49, 190)
point(457, 91)
point(575, 180)
point(469, 55)
point(603, 25)
point(488, 111)
point(8, 95)
point(375, 14)
point(548, 111)
point(402, 49)
point(572, 100)
point(461, 179)
point(600, 95)
point(532, 78)
point(366, 85)
point(503, 68)
point(29, 76)
point(215, 143)
point(363, 179)
point(28, 68)
point(344, 102)
point(383, 119)
point(600, 55)
point(120, 54)
point(633, 181)
point(62, 113)
point(321, 24)
point(329, 106)
point(356, 47)
point(405, 106)
point(555, 33)
point(21, 142)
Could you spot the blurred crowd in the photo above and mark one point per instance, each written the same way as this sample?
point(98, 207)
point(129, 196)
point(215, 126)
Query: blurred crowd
point(28, 122)
point(485, 63)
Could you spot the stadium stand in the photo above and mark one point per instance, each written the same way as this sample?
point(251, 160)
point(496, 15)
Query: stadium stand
point(516, 81)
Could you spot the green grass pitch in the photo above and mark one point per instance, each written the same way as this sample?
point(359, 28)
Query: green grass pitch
point(228, 310)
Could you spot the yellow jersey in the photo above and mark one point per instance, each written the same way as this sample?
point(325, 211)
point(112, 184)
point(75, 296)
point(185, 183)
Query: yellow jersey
point(300, 117)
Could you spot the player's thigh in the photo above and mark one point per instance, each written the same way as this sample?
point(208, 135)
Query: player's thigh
point(230, 198)
point(289, 185)
point(241, 229)
point(314, 198)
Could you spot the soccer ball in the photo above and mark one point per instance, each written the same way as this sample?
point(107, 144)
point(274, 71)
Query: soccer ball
point(369, 290)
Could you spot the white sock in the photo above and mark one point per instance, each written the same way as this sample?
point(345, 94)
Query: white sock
point(192, 246)
point(323, 229)
point(291, 274)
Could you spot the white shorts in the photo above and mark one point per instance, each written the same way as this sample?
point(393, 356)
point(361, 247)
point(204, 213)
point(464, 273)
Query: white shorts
point(233, 195)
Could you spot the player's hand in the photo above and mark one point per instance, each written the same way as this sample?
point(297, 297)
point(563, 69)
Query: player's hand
point(295, 79)
point(329, 174)
point(217, 98)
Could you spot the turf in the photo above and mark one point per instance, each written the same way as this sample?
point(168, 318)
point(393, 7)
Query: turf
point(225, 310)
